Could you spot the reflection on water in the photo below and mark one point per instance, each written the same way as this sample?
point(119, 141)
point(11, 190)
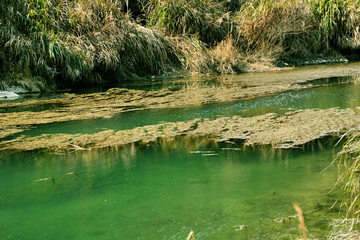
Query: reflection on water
point(164, 193)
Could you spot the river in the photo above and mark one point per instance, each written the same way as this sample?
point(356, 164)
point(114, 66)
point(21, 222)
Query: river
point(164, 191)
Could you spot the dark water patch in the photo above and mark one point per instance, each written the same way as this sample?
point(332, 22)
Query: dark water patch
point(328, 81)
point(33, 107)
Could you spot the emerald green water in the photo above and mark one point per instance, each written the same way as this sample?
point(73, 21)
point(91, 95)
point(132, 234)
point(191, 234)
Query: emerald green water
point(164, 193)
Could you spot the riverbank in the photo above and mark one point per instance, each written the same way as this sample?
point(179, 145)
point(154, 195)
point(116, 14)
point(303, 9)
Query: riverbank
point(56, 44)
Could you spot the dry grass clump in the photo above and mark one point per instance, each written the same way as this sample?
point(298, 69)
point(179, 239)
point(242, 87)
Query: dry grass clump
point(207, 19)
point(197, 58)
point(227, 57)
point(193, 53)
point(277, 29)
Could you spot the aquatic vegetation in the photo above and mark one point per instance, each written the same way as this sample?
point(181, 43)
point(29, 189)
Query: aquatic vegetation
point(289, 131)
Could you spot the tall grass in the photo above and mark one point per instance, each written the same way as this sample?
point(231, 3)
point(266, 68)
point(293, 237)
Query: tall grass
point(224, 58)
point(338, 22)
point(277, 29)
point(62, 43)
point(70, 42)
point(207, 19)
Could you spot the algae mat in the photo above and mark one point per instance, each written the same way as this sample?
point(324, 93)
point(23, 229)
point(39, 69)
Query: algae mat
point(294, 129)
point(194, 92)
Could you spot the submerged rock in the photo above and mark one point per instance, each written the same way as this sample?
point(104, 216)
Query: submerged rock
point(8, 95)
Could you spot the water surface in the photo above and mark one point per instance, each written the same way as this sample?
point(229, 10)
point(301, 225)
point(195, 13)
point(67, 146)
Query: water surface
point(164, 193)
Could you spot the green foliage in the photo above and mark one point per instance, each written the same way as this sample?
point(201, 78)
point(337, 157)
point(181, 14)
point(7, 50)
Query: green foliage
point(78, 42)
point(70, 42)
point(338, 21)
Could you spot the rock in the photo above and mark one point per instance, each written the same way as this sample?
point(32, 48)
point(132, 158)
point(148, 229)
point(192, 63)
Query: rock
point(8, 95)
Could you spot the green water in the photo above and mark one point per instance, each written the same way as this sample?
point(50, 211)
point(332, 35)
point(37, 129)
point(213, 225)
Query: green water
point(164, 193)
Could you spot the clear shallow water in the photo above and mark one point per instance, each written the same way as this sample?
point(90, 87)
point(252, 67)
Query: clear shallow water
point(343, 96)
point(163, 193)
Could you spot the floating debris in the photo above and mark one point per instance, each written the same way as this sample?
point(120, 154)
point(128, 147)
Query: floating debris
point(282, 219)
point(43, 179)
point(191, 234)
point(70, 173)
point(231, 149)
point(240, 227)
point(210, 154)
point(202, 152)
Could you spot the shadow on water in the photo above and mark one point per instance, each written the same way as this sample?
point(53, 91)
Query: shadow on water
point(33, 108)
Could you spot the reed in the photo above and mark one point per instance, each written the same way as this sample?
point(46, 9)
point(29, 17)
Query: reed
point(62, 43)
point(196, 57)
point(301, 220)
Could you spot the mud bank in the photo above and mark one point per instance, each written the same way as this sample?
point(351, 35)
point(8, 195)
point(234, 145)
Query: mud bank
point(294, 129)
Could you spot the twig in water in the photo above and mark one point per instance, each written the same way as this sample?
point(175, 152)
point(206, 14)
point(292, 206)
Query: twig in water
point(260, 222)
point(241, 227)
point(191, 234)
point(301, 220)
